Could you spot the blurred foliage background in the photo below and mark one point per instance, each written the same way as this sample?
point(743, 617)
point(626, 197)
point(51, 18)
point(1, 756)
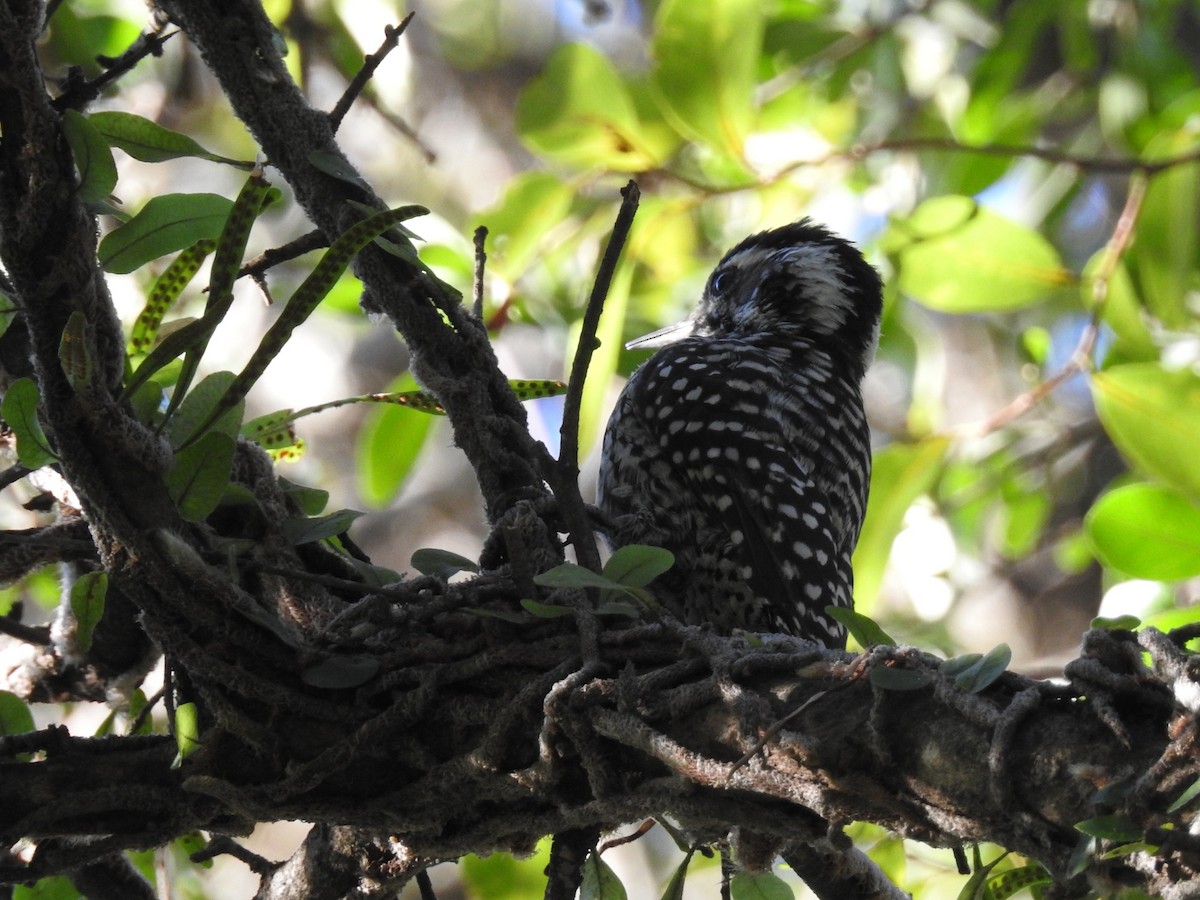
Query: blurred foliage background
point(1025, 174)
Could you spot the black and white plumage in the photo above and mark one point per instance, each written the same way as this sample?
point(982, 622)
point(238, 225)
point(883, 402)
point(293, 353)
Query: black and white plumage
point(742, 445)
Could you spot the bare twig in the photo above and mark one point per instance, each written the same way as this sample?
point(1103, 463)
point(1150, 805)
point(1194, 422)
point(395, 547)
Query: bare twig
point(391, 39)
point(1081, 357)
point(567, 467)
point(81, 93)
point(481, 234)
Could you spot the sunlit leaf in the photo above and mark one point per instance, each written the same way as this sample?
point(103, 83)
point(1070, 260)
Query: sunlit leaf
point(865, 630)
point(1153, 416)
point(706, 58)
point(388, 446)
point(15, 717)
point(166, 291)
point(187, 732)
point(958, 257)
point(1147, 531)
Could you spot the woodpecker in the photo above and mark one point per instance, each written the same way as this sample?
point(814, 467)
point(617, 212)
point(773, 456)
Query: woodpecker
point(742, 446)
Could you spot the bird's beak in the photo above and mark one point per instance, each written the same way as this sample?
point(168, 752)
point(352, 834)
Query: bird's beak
point(663, 336)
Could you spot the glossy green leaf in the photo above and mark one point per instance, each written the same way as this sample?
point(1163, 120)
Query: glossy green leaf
point(150, 142)
point(866, 631)
point(306, 531)
point(706, 58)
point(578, 111)
point(1190, 794)
point(900, 473)
point(93, 159)
point(1147, 531)
point(674, 890)
point(958, 257)
point(87, 606)
point(20, 411)
point(339, 672)
point(636, 565)
point(388, 446)
point(1153, 416)
point(441, 563)
point(187, 732)
point(600, 882)
point(164, 225)
point(759, 886)
point(15, 717)
point(201, 473)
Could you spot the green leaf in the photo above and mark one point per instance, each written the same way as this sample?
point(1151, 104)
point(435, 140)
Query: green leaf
point(150, 142)
point(338, 166)
point(193, 842)
point(958, 257)
point(892, 679)
point(759, 886)
point(198, 408)
point(201, 473)
point(1153, 416)
point(15, 717)
point(674, 889)
point(309, 500)
point(74, 353)
point(636, 565)
point(1120, 623)
point(534, 203)
point(307, 531)
point(93, 159)
point(187, 732)
point(340, 672)
point(56, 887)
point(306, 297)
point(164, 225)
point(87, 606)
point(1186, 797)
point(166, 291)
point(600, 882)
point(862, 628)
point(1111, 828)
point(546, 610)
point(19, 410)
point(571, 575)
point(441, 563)
point(1147, 531)
point(388, 446)
point(706, 58)
point(579, 112)
point(900, 473)
point(974, 672)
point(276, 434)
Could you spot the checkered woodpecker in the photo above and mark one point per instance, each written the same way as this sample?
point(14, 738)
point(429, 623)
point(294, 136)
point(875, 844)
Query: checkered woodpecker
point(742, 446)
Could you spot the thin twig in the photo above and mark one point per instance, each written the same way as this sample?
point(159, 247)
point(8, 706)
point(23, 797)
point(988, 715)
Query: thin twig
point(481, 234)
point(391, 39)
point(37, 635)
point(566, 469)
point(81, 93)
point(313, 240)
point(221, 845)
point(1081, 357)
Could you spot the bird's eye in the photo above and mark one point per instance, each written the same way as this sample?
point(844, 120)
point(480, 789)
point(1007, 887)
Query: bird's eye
point(722, 281)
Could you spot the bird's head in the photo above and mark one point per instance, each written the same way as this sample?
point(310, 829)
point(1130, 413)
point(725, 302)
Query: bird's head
point(797, 281)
